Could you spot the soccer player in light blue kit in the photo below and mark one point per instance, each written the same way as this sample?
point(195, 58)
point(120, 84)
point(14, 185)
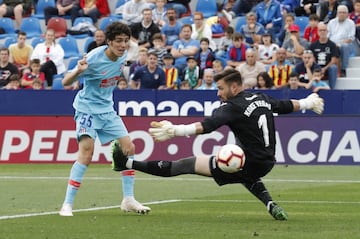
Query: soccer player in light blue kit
point(95, 116)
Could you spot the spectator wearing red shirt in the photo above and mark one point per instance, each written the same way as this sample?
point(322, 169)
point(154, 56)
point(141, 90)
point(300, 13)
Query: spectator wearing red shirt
point(311, 33)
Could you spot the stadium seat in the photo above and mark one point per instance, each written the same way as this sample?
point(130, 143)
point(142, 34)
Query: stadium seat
point(9, 40)
point(118, 4)
point(187, 20)
point(36, 40)
point(70, 47)
point(32, 27)
point(239, 23)
point(188, 12)
point(39, 7)
point(302, 22)
point(72, 62)
point(9, 27)
point(88, 40)
point(207, 7)
point(81, 20)
point(105, 21)
point(57, 83)
point(58, 24)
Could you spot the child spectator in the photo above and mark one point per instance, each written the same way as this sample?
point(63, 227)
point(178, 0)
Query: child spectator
point(171, 72)
point(29, 77)
point(294, 82)
point(355, 16)
point(206, 56)
point(192, 72)
point(311, 33)
point(141, 61)
point(264, 81)
point(123, 83)
point(289, 19)
point(159, 13)
point(14, 82)
point(208, 81)
point(218, 66)
point(267, 50)
point(225, 42)
point(184, 85)
point(236, 53)
point(159, 48)
point(316, 82)
point(37, 84)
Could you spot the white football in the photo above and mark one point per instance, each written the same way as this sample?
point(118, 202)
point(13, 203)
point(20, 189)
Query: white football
point(230, 158)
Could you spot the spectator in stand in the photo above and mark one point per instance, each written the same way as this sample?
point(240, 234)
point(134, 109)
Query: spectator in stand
point(200, 30)
point(183, 48)
point(184, 85)
point(16, 9)
point(51, 56)
point(208, 80)
point(171, 73)
point(268, 14)
point(180, 6)
point(327, 10)
point(159, 13)
point(159, 48)
point(132, 11)
point(326, 55)
point(171, 30)
point(205, 57)
point(311, 33)
point(141, 61)
point(250, 69)
point(225, 42)
point(63, 8)
point(285, 34)
point(266, 50)
point(280, 70)
point(20, 53)
point(94, 9)
point(342, 33)
point(142, 32)
point(150, 76)
point(306, 7)
point(306, 67)
point(37, 84)
point(317, 83)
point(217, 66)
point(123, 84)
point(241, 7)
point(296, 45)
point(264, 81)
point(7, 69)
point(252, 30)
point(99, 40)
point(294, 82)
point(29, 77)
point(288, 5)
point(355, 16)
point(191, 73)
point(14, 83)
point(236, 53)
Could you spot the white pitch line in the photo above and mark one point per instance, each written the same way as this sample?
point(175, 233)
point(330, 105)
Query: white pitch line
point(178, 179)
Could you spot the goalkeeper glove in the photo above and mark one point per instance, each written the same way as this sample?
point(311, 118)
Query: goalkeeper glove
point(165, 130)
point(312, 102)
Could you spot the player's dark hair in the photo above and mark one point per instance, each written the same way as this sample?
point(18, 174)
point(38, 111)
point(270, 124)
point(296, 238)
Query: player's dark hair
point(115, 29)
point(229, 76)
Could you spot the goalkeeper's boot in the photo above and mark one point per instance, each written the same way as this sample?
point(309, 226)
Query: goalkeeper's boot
point(129, 204)
point(277, 212)
point(66, 210)
point(118, 157)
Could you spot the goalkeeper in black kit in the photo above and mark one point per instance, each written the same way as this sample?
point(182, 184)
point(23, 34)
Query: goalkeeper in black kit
point(250, 117)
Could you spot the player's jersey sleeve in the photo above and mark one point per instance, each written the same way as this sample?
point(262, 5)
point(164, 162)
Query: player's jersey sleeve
point(281, 106)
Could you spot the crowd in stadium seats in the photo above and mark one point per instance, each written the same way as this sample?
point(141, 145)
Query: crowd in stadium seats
point(293, 44)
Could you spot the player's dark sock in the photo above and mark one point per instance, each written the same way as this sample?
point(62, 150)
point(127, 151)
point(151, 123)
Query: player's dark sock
point(158, 168)
point(183, 166)
point(258, 189)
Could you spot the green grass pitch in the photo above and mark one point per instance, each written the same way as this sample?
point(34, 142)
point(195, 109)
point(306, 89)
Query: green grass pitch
point(322, 202)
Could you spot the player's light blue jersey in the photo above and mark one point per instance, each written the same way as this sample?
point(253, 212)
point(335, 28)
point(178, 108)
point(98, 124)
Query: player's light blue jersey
point(99, 79)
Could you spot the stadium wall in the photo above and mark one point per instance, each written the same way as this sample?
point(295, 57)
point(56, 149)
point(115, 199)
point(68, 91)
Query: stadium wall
point(37, 127)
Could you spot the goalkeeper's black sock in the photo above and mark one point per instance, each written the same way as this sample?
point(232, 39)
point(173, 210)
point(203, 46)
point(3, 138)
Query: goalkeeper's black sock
point(158, 168)
point(258, 190)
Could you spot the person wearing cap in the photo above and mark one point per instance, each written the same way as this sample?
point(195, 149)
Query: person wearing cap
point(171, 73)
point(252, 30)
point(295, 45)
point(192, 72)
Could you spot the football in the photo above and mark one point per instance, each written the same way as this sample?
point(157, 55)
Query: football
point(230, 158)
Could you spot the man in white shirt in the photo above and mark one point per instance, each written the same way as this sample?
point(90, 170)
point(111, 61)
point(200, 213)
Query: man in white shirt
point(342, 32)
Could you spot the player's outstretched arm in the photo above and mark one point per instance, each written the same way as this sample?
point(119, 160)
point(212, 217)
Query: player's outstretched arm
point(313, 102)
point(71, 76)
point(165, 130)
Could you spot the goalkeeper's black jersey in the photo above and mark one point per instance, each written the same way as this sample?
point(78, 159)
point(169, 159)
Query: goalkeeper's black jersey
point(250, 117)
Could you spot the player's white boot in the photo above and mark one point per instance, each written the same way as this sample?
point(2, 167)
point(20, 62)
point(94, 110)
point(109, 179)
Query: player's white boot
point(66, 210)
point(129, 204)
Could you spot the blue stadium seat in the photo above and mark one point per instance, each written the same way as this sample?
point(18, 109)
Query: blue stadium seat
point(9, 40)
point(302, 22)
point(187, 20)
point(207, 7)
point(39, 7)
point(36, 40)
point(57, 83)
point(32, 27)
point(239, 23)
point(88, 40)
point(80, 20)
point(70, 47)
point(105, 21)
point(9, 27)
point(118, 4)
point(72, 63)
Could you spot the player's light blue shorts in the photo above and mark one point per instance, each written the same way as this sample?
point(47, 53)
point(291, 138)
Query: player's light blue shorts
point(107, 126)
